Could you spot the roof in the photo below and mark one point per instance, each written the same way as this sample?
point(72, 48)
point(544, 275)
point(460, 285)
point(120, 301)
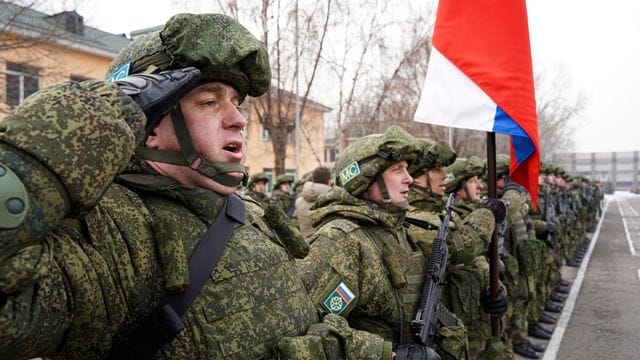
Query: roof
point(65, 29)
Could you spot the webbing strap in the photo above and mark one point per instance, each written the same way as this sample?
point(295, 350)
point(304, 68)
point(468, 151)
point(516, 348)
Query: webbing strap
point(164, 323)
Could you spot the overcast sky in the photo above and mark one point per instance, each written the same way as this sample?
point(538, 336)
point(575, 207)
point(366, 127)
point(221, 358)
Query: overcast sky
point(597, 43)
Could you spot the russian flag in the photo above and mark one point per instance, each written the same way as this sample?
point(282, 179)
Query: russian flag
point(480, 77)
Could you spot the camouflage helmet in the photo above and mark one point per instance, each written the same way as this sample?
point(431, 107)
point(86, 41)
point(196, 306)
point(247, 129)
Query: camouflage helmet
point(257, 177)
point(358, 165)
point(283, 179)
point(503, 164)
point(216, 44)
point(462, 170)
point(434, 154)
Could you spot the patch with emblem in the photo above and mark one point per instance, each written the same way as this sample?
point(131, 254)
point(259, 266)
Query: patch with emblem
point(450, 178)
point(339, 299)
point(349, 172)
point(121, 73)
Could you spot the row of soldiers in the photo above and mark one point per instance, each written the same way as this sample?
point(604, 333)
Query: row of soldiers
point(534, 243)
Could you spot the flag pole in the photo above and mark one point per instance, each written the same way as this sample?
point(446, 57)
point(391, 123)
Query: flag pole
point(494, 256)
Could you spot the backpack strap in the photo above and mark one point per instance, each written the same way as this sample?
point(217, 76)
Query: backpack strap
point(165, 322)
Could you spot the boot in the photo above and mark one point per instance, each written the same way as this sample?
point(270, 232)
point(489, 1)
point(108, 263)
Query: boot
point(552, 306)
point(564, 282)
point(523, 349)
point(562, 289)
point(536, 347)
point(574, 263)
point(537, 331)
point(547, 319)
point(557, 297)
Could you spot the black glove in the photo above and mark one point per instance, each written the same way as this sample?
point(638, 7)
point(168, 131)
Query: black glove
point(497, 207)
point(551, 227)
point(156, 94)
point(495, 306)
point(415, 352)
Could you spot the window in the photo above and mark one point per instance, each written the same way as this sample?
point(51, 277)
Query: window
point(266, 135)
point(22, 81)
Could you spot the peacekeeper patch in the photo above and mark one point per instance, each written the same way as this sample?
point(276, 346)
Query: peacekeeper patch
point(348, 173)
point(121, 73)
point(450, 178)
point(338, 299)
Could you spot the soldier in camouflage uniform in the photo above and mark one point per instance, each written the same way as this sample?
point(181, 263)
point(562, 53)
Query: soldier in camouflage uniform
point(85, 259)
point(426, 194)
point(257, 189)
point(281, 194)
point(360, 263)
point(522, 256)
point(468, 283)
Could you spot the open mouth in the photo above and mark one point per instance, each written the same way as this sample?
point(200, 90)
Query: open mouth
point(233, 147)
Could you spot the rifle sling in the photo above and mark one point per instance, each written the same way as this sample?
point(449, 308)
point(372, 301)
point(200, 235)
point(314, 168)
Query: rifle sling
point(165, 322)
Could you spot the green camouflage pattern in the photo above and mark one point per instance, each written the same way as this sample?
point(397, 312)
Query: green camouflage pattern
point(255, 178)
point(503, 164)
point(462, 170)
point(61, 113)
point(282, 179)
point(358, 165)
point(366, 248)
point(220, 47)
point(433, 155)
point(281, 199)
point(261, 198)
point(94, 257)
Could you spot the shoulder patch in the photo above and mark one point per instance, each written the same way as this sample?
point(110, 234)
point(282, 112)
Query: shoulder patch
point(121, 73)
point(349, 172)
point(338, 299)
point(450, 178)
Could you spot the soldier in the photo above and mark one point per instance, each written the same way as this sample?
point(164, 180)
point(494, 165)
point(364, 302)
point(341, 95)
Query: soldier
point(523, 256)
point(360, 264)
point(319, 184)
point(281, 194)
point(93, 268)
point(257, 189)
point(468, 281)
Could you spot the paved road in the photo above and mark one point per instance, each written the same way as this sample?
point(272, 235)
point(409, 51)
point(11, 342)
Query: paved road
point(601, 319)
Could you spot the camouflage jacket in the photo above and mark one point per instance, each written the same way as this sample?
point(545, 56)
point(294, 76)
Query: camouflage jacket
point(92, 258)
point(361, 265)
point(468, 237)
point(260, 197)
point(282, 199)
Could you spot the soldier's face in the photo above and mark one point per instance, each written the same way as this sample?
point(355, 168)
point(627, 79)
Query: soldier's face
point(216, 127)
point(474, 188)
point(286, 187)
point(397, 180)
point(437, 178)
point(260, 187)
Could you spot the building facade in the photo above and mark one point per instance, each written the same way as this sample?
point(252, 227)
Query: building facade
point(620, 169)
point(37, 50)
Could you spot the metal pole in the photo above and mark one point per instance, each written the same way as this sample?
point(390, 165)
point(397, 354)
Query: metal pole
point(494, 256)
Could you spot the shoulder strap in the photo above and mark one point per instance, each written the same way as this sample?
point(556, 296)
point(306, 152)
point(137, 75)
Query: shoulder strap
point(165, 321)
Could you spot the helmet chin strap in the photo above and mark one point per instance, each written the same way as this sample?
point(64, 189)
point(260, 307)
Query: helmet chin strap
point(386, 199)
point(424, 189)
point(188, 156)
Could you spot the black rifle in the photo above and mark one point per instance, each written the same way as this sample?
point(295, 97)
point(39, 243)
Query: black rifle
point(548, 208)
point(431, 315)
